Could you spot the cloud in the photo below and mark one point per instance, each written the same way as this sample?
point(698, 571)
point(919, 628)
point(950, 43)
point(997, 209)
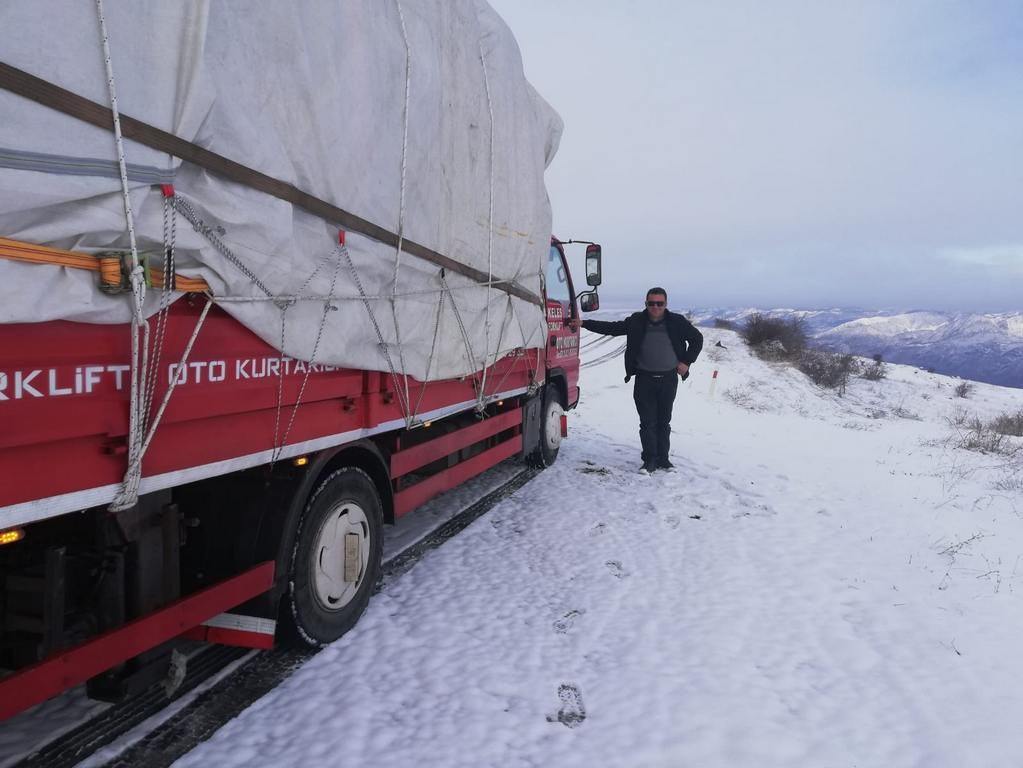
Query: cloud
point(999, 259)
point(857, 144)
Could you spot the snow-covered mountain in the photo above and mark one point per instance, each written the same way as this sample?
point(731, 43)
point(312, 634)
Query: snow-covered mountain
point(982, 347)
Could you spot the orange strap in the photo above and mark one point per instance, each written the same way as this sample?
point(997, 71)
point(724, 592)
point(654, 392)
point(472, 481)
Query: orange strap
point(109, 267)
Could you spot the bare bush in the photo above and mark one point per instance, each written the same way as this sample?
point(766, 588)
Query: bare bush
point(828, 369)
point(760, 329)
point(1010, 481)
point(964, 389)
point(728, 325)
point(875, 371)
point(902, 412)
point(959, 416)
point(742, 397)
point(980, 437)
point(1009, 424)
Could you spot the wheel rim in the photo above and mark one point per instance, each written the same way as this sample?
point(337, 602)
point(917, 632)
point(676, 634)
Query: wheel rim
point(330, 589)
point(552, 429)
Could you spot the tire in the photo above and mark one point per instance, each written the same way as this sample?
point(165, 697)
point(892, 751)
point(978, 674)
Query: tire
point(320, 605)
point(550, 430)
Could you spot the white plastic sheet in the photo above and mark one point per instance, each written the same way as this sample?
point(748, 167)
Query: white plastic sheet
point(313, 94)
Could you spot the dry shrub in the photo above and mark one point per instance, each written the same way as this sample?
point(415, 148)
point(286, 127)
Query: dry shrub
point(975, 435)
point(960, 416)
point(764, 334)
point(875, 371)
point(742, 397)
point(964, 389)
point(904, 413)
point(828, 369)
point(1009, 424)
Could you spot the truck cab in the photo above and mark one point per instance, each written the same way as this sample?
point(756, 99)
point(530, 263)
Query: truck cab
point(563, 306)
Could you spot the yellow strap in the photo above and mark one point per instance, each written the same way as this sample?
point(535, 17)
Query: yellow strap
point(108, 267)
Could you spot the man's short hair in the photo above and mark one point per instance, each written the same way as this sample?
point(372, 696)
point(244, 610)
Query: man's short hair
point(657, 289)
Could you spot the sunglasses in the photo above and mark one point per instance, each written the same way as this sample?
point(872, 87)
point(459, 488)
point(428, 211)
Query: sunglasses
point(655, 303)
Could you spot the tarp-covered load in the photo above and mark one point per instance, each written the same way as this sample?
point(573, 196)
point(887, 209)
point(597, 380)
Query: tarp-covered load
point(411, 114)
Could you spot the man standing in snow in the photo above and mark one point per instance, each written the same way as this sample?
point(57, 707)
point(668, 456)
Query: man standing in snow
point(660, 347)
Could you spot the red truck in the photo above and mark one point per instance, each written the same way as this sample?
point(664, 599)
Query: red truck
point(216, 463)
point(235, 538)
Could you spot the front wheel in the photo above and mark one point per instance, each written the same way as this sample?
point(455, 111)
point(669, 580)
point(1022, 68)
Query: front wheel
point(550, 430)
point(336, 559)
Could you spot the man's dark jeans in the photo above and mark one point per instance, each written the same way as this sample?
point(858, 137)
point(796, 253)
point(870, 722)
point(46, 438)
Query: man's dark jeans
point(654, 396)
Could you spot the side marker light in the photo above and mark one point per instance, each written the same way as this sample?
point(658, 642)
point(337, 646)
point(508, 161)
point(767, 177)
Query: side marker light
point(12, 535)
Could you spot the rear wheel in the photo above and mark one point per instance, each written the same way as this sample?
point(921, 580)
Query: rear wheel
point(546, 452)
point(336, 559)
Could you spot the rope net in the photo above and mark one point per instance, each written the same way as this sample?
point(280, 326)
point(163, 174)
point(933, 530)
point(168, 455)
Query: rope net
point(337, 271)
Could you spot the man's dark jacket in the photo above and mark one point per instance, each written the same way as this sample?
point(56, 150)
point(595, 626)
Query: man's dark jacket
point(685, 339)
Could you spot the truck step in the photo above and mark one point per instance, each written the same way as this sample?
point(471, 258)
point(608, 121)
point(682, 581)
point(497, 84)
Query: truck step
point(74, 746)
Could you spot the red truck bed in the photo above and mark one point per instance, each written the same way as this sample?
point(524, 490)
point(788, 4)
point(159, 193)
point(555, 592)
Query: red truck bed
point(64, 391)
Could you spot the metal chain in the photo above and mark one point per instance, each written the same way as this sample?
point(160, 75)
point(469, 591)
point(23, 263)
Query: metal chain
point(327, 308)
point(186, 210)
point(380, 336)
point(169, 242)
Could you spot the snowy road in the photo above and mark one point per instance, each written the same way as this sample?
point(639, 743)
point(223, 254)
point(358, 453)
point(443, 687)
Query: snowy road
point(819, 584)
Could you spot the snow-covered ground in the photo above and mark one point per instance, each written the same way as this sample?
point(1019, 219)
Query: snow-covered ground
point(823, 581)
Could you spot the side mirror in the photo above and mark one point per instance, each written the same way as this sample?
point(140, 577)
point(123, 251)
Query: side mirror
point(589, 301)
point(593, 265)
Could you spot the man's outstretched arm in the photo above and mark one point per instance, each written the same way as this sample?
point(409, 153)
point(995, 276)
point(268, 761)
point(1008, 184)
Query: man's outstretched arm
point(606, 327)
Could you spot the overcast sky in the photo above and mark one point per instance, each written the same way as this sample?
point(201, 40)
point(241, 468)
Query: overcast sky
point(788, 153)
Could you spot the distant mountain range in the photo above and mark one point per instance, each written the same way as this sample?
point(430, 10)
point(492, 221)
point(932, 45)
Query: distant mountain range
point(973, 346)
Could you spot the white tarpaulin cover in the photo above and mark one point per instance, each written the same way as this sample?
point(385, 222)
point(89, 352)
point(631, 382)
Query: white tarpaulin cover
point(412, 114)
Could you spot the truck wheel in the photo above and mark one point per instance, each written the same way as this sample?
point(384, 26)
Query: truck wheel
point(550, 430)
point(336, 559)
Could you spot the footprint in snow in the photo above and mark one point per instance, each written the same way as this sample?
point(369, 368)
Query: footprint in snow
point(572, 712)
point(566, 622)
point(506, 530)
point(672, 521)
point(615, 567)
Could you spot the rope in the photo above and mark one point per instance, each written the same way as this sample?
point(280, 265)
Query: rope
point(294, 298)
point(490, 243)
point(128, 495)
point(401, 211)
point(174, 381)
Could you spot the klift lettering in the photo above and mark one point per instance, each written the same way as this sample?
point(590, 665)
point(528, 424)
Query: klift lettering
point(86, 379)
point(51, 382)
